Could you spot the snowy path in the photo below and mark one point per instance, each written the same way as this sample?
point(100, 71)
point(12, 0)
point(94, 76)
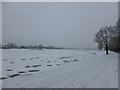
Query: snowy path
point(97, 71)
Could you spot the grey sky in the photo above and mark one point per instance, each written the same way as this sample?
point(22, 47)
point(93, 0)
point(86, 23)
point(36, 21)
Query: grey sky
point(0, 23)
point(56, 24)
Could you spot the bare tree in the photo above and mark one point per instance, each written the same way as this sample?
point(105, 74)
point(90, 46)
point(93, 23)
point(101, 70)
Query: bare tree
point(102, 38)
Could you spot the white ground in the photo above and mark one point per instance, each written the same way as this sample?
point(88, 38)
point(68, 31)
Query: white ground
point(66, 69)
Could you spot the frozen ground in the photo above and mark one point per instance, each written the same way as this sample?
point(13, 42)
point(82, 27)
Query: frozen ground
point(59, 69)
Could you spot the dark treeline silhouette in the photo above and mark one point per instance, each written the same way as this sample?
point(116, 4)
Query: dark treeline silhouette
point(108, 38)
point(14, 46)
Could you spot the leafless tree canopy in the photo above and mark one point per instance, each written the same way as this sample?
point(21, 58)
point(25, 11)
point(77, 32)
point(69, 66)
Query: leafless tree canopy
point(108, 37)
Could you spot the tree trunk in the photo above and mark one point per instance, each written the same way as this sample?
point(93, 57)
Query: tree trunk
point(106, 48)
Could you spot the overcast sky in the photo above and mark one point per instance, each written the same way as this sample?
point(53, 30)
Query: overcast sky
point(0, 23)
point(56, 24)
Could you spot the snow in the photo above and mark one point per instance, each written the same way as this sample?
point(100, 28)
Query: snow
point(59, 68)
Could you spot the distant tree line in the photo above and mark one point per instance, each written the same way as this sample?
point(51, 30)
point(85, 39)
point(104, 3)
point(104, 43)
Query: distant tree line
point(108, 38)
point(14, 46)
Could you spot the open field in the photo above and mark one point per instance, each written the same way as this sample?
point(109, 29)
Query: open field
point(59, 69)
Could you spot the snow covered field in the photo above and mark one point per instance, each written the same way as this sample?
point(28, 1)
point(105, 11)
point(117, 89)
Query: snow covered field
point(59, 69)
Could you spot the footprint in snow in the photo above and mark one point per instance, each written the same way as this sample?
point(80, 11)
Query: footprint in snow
point(21, 72)
point(12, 62)
point(37, 57)
point(75, 60)
point(49, 65)
point(23, 59)
point(33, 70)
point(27, 66)
point(57, 64)
point(9, 70)
point(66, 61)
point(14, 75)
point(5, 59)
point(2, 78)
point(49, 61)
point(31, 59)
point(36, 65)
